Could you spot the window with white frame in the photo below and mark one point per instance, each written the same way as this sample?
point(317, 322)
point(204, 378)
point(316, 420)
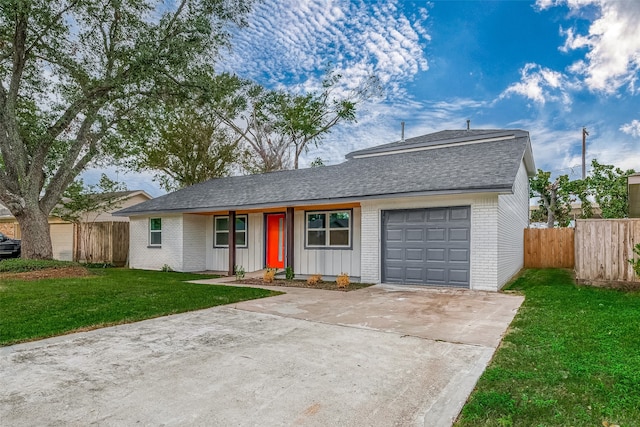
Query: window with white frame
point(221, 231)
point(330, 229)
point(155, 231)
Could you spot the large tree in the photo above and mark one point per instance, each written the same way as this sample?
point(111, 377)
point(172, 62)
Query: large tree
point(277, 126)
point(554, 205)
point(608, 186)
point(305, 120)
point(72, 72)
point(188, 146)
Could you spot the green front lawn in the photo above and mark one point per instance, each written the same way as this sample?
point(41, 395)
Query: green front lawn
point(44, 308)
point(570, 358)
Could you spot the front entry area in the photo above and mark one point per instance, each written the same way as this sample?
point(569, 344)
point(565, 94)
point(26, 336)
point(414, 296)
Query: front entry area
point(274, 241)
point(427, 246)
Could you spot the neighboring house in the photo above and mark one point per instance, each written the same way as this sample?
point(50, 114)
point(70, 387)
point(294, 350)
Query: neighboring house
point(8, 227)
point(63, 233)
point(443, 209)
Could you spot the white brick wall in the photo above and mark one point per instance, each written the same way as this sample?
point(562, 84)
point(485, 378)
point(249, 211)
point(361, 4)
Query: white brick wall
point(484, 244)
point(370, 251)
point(484, 234)
point(513, 218)
point(142, 256)
point(194, 242)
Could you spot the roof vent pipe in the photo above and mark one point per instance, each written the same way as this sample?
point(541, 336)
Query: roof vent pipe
point(401, 131)
point(468, 124)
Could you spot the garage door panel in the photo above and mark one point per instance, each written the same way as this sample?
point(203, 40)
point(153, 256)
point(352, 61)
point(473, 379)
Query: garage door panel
point(394, 236)
point(427, 246)
point(459, 276)
point(395, 217)
point(414, 254)
point(434, 254)
point(436, 215)
point(415, 274)
point(62, 241)
point(459, 214)
point(395, 274)
point(458, 234)
point(394, 254)
point(414, 234)
point(436, 234)
point(435, 275)
point(459, 255)
point(417, 217)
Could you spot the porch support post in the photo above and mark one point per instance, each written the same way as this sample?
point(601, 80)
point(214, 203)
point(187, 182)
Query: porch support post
point(232, 242)
point(289, 237)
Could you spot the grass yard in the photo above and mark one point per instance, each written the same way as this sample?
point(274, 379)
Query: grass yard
point(571, 358)
point(43, 308)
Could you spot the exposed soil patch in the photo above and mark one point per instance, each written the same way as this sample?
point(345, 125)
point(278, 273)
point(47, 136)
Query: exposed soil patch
point(49, 273)
point(330, 286)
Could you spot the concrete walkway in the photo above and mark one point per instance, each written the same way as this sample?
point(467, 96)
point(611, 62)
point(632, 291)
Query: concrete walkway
point(379, 356)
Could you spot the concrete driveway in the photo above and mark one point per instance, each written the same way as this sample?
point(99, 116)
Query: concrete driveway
point(380, 356)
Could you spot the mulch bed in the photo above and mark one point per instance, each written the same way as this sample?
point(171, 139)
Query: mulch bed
point(49, 273)
point(330, 286)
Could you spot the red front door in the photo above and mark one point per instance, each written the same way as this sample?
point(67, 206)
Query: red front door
point(275, 241)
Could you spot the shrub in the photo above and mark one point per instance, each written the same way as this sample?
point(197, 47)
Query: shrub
point(288, 273)
point(343, 280)
point(20, 265)
point(167, 268)
point(314, 279)
point(238, 270)
point(269, 275)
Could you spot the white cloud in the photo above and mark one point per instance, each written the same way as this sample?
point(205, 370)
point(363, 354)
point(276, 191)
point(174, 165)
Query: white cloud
point(612, 41)
point(290, 41)
point(632, 128)
point(540, 85)
point(560, 150)
point(379, 123)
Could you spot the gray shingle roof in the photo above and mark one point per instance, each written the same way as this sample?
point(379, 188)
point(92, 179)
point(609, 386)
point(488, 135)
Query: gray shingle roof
point(446, 169)
point(439, 138)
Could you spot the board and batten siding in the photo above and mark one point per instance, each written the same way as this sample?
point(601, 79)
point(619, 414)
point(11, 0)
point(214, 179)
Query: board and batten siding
point(327, 262)
point(484, 234)
point(513, 218)
point(250, 258)
point(145, 257)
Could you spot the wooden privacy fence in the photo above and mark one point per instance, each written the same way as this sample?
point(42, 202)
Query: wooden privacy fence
point(102, 242)
point(548, 248)
point(603, 248)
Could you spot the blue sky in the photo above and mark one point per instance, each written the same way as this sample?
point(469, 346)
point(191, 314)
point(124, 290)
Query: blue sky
point(549, 67)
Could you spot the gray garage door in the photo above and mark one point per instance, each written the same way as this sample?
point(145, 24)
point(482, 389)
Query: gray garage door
point(427, 246)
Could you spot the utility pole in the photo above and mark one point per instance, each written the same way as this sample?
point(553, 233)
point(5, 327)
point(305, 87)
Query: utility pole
point(584, 150)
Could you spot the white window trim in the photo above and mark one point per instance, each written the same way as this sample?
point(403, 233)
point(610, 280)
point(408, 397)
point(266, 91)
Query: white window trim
point(327, 229)
point(246, 231)
point(151, 232)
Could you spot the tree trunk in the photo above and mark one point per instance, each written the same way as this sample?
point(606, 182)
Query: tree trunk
point(36, 236)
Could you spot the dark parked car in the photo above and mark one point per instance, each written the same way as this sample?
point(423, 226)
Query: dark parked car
point(9, 248)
